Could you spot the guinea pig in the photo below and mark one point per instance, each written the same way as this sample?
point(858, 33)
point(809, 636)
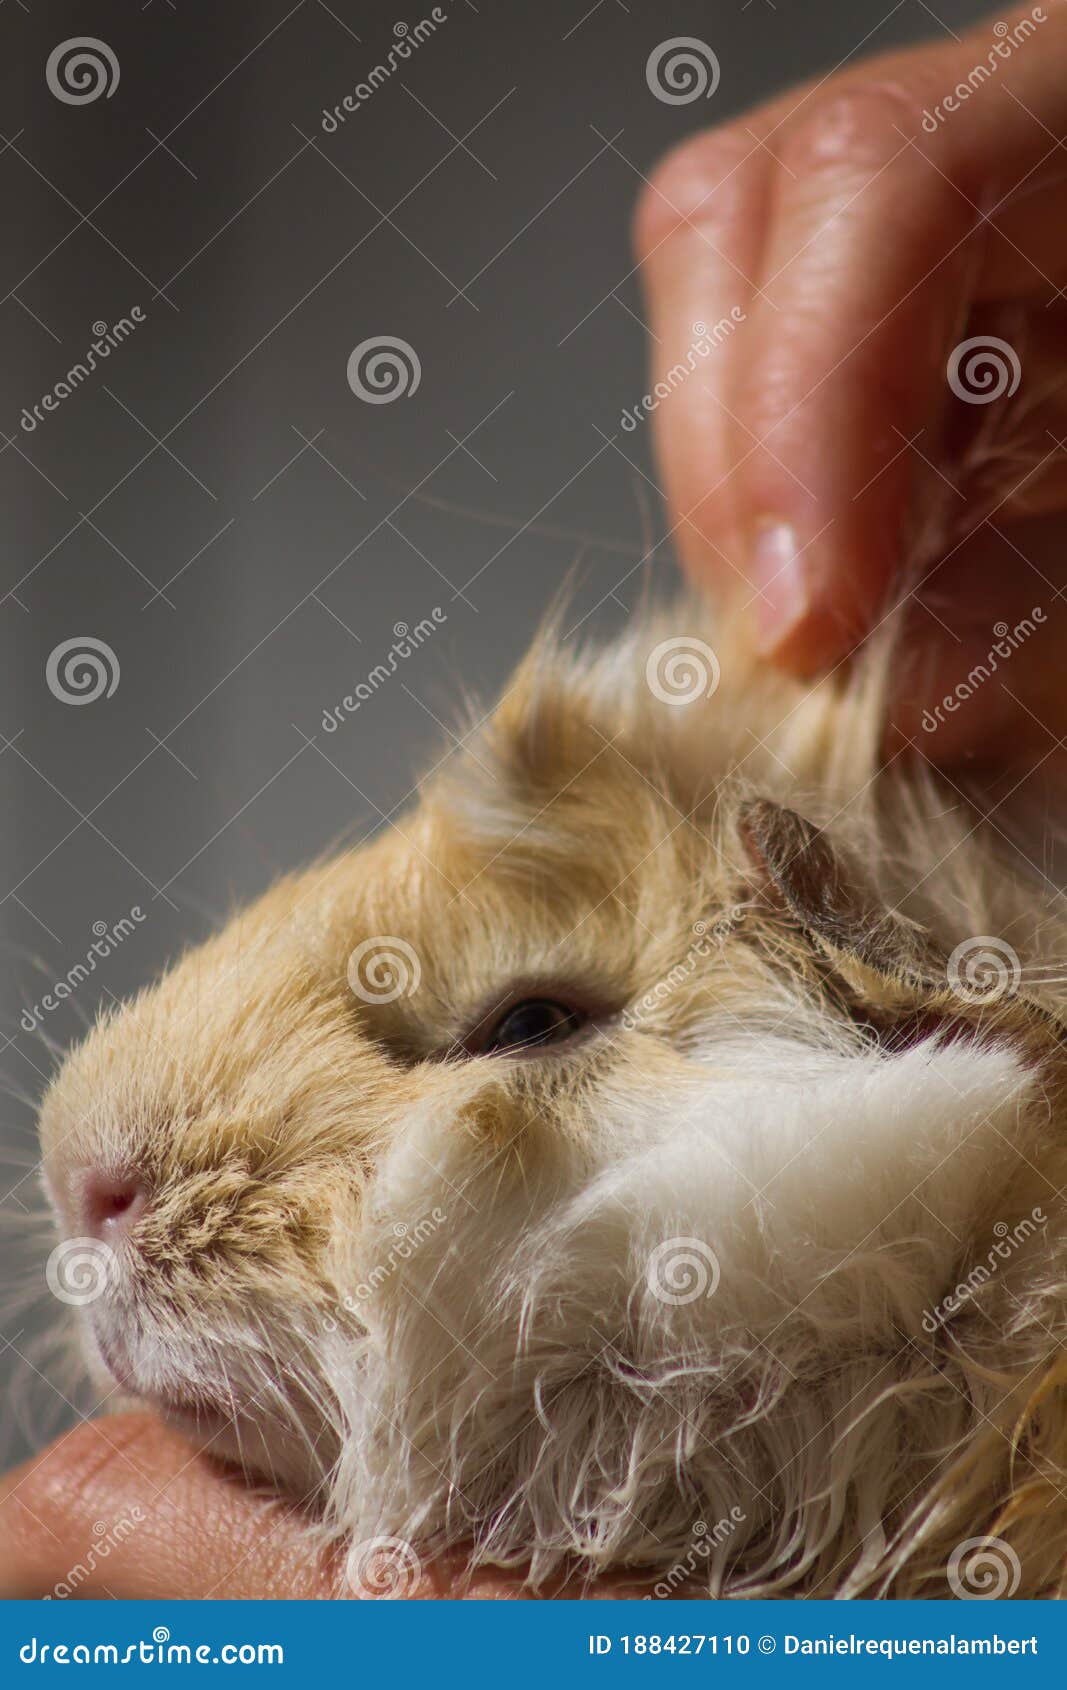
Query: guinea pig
point(646, 1154)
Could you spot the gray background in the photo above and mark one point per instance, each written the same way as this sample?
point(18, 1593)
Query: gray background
point(246, 579)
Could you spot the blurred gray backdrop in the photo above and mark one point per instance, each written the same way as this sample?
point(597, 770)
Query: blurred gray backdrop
point(245, 533)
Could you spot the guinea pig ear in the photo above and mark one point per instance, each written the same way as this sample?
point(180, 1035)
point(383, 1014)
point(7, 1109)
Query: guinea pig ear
point(802, 873)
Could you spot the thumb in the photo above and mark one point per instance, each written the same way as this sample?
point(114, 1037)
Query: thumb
point(122, 1507)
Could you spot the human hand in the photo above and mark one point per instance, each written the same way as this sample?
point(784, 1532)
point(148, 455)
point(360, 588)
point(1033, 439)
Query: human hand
point(859, 229)
point(123, 1507)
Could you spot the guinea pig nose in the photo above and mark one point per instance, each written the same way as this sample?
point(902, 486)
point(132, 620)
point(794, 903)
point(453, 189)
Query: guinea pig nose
point(111, 1204)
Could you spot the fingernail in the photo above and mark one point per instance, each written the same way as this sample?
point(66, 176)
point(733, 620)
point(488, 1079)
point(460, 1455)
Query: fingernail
point(778, 573)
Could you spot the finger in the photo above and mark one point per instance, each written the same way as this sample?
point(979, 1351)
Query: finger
point(123, 1507)
point(869, 304)
point(699, 231)
point(1026, 238)
point(843, 369)
point(892, 430)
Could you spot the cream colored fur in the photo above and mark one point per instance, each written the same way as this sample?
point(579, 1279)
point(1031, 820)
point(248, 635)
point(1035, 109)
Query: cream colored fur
point(427, 1286)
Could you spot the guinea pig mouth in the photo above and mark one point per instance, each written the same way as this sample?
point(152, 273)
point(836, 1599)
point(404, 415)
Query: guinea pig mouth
point(192, 1409)
point(292, 1450)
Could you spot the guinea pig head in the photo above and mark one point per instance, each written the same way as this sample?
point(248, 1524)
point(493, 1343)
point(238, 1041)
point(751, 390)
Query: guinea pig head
point(402, 1184)
point(211, 1148)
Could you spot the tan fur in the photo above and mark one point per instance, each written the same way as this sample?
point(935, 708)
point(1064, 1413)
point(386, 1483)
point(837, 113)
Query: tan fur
point(585, 834)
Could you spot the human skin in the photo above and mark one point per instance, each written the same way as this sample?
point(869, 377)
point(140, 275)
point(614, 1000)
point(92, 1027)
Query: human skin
point(861, 248)
point(188, 1528)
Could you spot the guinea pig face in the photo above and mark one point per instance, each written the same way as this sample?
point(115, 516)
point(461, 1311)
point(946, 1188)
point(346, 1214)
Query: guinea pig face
point(593, 1118)
point(212, 1147)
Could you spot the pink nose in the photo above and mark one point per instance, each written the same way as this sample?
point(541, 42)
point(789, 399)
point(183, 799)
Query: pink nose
point(111, 1205)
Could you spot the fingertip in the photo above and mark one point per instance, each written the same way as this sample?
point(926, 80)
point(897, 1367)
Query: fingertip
point(706, 177)
point(804, 607)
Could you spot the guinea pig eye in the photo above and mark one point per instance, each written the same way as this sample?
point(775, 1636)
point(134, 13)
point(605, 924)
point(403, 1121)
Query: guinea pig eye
point(528, 1026)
